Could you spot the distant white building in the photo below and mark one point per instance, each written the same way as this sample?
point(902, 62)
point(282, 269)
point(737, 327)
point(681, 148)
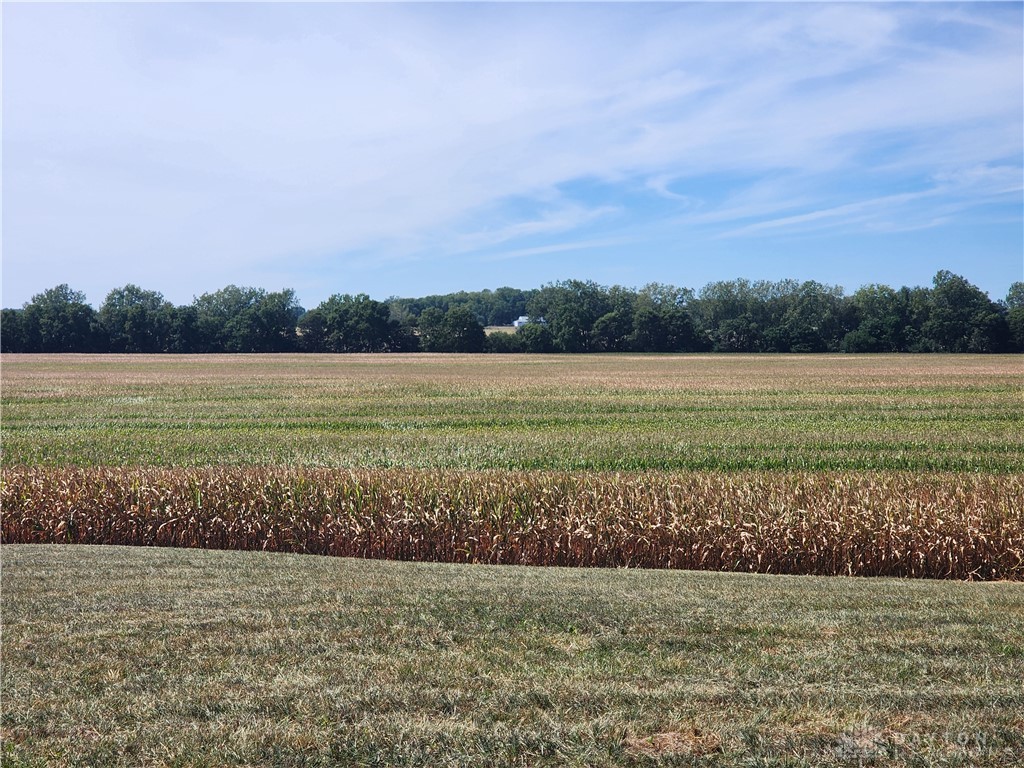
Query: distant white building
point(526, 320)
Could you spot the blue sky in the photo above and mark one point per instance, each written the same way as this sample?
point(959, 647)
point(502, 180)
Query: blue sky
point(412, 149)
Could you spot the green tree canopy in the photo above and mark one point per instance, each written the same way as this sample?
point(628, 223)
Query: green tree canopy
point(1015, 316)
point(963, 318)
point(571, 308)
point(236, 319)
point(60, 320)
point(347, 323)
point(12, 331)
point(136, 320)
point(456, 330)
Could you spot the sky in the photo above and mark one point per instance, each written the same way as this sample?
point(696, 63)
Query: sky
point(412, 149)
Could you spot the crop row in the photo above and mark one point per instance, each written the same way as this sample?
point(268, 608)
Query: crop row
point(930, 525)
point(923, 414)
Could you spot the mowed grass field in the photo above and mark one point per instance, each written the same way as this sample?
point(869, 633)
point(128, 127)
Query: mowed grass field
point(875, 465)
point(175, 657)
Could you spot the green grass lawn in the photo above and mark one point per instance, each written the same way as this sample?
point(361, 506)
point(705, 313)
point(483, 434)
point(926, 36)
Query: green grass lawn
point(120, 656)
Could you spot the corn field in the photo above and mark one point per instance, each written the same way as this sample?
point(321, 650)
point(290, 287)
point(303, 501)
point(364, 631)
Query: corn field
point(928, 525)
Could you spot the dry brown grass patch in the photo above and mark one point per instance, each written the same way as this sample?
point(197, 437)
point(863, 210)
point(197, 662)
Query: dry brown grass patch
point(693, 742)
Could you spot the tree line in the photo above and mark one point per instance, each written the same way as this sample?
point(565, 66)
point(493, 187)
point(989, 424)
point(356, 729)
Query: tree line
point(569, 316)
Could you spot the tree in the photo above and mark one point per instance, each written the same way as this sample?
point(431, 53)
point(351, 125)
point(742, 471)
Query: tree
point(312, 331)
point(505, 305)
point(570, 316)
point(1015, 316)
point(182, 328)
point(963, 318)
point(661, 320)
point(456, 330)
point(347, 323)
point(498, 307)
point(501, 342)
point(536, 338)
point(680, 333)
point(59, 320)
point(274, 320)
point(236, 319)
point(570, 308)
point(12, 332)
point(217, 327)
point(918, 301)
point(136, 320)
point(725, 313)
point(880, 316)
point(1015, 296)
point(738, 334)
point(431, 330)
point(665, 296)
point(611, 332)
point(811, 321)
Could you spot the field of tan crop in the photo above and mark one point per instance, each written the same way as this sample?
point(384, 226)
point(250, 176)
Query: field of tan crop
point(874, 465)
point(936, 526)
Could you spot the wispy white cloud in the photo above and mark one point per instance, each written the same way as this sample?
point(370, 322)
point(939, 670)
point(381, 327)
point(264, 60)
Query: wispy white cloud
point(150, 143)
point(955, 192)
point(542, 250)
point(840, 215)
point(562, 219)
